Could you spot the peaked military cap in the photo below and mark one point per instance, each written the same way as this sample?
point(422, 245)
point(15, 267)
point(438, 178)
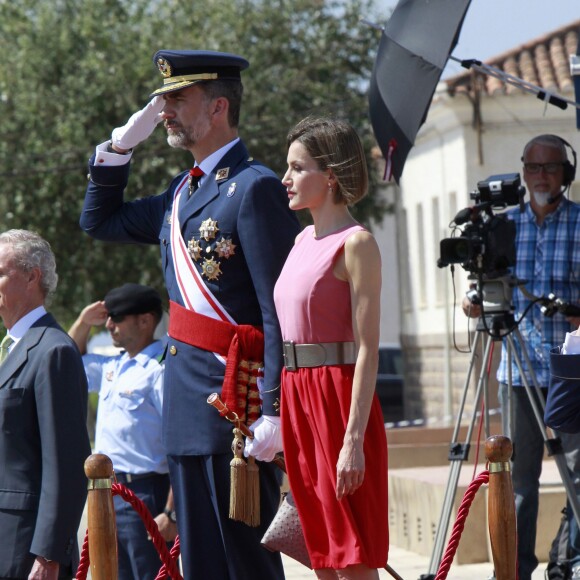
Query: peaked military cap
point(132, 299)
point(183, 68)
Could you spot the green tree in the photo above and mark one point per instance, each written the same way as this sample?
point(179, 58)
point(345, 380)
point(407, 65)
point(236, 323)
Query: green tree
point(72, 70)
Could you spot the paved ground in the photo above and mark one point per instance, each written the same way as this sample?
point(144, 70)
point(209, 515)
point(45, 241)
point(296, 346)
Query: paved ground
point(410, 566)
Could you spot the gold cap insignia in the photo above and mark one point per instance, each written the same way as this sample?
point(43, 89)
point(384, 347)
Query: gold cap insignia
point(208, 229)
point(222, 173)
point(164, 67)
point(211, 269)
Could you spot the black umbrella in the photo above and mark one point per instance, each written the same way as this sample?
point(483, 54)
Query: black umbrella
point(415, 45)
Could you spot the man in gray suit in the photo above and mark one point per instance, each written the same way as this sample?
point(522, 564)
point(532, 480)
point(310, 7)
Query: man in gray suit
point(43, 404)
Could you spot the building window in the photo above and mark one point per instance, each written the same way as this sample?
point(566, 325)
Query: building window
point(405, 266)
point(421, 251)
point(436, 231)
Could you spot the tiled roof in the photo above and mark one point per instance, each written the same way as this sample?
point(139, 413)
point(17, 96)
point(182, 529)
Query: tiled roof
point(543, 62)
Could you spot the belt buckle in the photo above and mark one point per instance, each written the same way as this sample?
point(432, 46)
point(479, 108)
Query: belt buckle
point(289, 352)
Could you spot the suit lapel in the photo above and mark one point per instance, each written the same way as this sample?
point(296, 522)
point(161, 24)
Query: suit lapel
point(20, 353)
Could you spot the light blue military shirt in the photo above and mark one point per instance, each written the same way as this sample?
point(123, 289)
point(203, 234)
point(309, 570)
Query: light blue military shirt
point(129, 414)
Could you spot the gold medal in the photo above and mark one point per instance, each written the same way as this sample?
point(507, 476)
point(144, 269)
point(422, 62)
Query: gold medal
point(194, 249)
point(225, 248)
point(211, 269)
point(208, 229)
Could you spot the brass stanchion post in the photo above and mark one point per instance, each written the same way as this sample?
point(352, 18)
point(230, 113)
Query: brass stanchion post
point(101, 519)
point(501, 509)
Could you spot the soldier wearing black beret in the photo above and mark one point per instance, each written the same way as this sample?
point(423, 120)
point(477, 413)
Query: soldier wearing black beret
point(129, 417)
point(224, 229)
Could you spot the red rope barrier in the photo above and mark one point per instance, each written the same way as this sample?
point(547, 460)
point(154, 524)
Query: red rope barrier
point(83, 568)
point(174, 555)
point(168, 559)
point(462, 513)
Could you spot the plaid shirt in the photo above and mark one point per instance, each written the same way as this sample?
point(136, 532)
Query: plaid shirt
point(548, 258)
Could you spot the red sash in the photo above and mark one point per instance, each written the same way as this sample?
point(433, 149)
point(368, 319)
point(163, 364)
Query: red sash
point(242, 345)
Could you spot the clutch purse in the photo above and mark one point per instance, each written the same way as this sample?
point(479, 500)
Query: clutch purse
point(285, 533)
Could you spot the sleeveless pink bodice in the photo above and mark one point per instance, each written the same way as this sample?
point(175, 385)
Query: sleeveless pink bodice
point(312, 304)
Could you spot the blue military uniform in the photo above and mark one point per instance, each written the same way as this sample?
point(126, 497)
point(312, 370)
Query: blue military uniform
point(129, 432)
point(248, 208)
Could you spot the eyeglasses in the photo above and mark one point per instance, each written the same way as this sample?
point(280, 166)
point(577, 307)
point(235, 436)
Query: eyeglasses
point(549, 168)
point(116, 318)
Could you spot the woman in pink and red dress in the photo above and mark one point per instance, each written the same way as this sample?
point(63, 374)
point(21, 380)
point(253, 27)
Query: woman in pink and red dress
point(327, 300)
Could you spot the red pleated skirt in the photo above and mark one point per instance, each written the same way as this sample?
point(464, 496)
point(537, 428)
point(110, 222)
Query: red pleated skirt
point(315, 406)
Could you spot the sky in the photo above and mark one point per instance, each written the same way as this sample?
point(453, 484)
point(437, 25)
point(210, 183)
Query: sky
point(494, 26)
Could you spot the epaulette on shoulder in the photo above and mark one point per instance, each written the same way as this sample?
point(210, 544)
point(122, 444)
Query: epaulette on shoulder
point(259, 167)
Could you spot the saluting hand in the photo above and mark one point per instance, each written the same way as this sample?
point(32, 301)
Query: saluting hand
point(94, 314)
point(139, 126)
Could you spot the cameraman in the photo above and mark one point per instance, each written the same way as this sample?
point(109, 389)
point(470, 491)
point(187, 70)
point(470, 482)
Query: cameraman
point(548, 259)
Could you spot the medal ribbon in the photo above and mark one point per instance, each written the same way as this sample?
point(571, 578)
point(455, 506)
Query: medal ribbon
point(195, 294)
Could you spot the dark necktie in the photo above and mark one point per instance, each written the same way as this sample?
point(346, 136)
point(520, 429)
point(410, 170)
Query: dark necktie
point(195, 175)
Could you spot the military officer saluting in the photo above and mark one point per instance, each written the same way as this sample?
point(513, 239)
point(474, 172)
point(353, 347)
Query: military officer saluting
point(225, 229)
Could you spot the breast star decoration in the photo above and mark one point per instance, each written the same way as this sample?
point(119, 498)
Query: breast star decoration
point(208, 229)
point(211, 269)
point(225, 248)
point(202, 249)
point(194, 249)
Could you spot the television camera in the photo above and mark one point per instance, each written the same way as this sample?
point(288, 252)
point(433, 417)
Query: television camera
point(486, 244)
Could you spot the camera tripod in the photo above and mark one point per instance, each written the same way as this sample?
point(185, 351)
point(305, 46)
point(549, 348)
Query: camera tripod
point(496, 326)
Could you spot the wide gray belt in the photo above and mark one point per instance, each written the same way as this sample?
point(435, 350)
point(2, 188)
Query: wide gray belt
point(315, 355)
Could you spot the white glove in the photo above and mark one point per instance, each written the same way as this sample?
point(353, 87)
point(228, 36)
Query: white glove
point(139, 126)
point(267, 439)
point(571, 344)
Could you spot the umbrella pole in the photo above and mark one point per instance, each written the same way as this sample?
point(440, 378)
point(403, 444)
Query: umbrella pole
point(546, 96)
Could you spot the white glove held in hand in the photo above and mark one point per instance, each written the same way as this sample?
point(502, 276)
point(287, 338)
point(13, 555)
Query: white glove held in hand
point(267, 439)
point(139, 126)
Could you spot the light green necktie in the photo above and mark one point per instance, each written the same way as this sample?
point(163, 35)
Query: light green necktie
point(4, 346)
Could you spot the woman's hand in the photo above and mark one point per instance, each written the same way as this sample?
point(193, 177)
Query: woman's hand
point(350, 469)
